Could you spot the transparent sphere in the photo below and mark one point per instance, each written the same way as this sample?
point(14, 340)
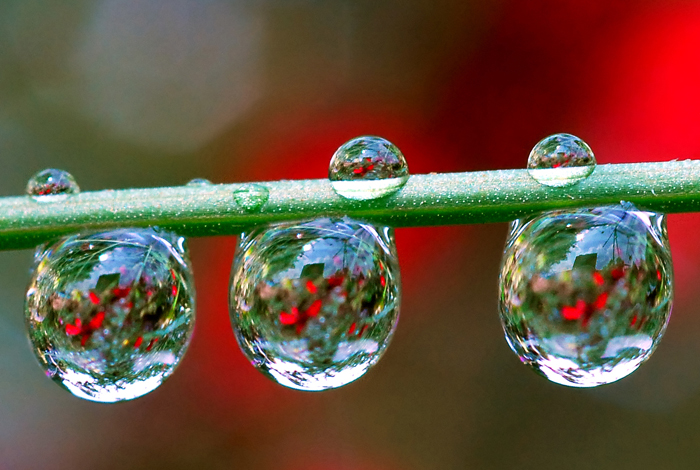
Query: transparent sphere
point(585, 294)
point(110, 314)
point(315, 304)
point(561, 160)
point(50, 184)
point(367, 168)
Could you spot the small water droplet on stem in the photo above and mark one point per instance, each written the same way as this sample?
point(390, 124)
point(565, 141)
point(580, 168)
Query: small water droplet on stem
point(366, 168)
point(561, 160)
point(51, 185)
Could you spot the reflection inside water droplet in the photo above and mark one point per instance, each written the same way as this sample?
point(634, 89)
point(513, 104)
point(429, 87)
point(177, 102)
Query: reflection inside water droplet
point(367, 168)
point(51, 185)
point(585, 294)
point(561, 160)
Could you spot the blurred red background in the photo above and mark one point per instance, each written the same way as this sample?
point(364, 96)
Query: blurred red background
point(149, 94)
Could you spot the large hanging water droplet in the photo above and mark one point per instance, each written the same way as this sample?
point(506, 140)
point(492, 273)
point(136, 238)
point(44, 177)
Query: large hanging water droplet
point(367, 168)
point(251, 197)
point(585, 294)
point(315, 304)
point(51, 185)
point(110, 314)
point(561, 160)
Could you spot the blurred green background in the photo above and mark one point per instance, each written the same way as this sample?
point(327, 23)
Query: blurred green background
point(152, 93)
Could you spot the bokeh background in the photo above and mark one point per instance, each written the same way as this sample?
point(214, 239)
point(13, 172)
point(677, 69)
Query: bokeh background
point(151, 93)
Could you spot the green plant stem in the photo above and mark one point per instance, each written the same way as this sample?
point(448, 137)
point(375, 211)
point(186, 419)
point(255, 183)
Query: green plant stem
point(434, 199)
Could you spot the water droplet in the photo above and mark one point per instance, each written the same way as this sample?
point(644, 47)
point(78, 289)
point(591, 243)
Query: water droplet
point(367, 168)
point(51, 185)
point(199, 182)
point(110, 314)
point(251, 197)
point(561, 160)
point(585, 294)
point(314, 304)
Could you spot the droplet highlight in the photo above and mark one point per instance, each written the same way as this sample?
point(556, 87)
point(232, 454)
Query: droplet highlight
point(585, 294)
point(251, 197)
point(110, 314)
point(314, 304)
point(366, 168)
point(561, 160)
point(51, 185)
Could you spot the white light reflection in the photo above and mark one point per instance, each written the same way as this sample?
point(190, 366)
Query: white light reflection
point(83, 386)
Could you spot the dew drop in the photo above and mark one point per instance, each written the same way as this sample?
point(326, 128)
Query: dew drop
point(366, 168)
point(251, 197)
point(110, 314)
point(561, 160)
point(199, 182)
point(585, 294)
point(314, 304)
point(51, 185)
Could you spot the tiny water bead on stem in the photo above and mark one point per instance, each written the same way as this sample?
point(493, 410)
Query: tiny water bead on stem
point(110, 314)
point(51, 185)
point(251, 197)
point(561, 160)
point(195, 182)
point(366, 168)
point(586, 294)
point(314, 304)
